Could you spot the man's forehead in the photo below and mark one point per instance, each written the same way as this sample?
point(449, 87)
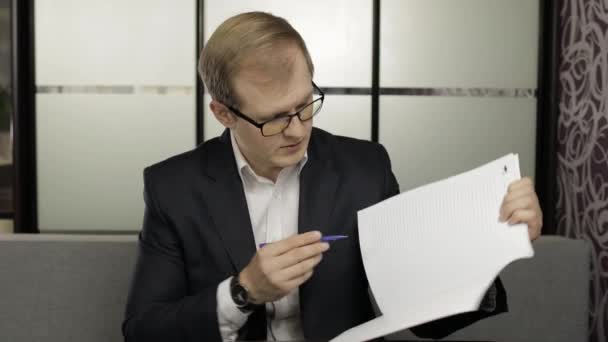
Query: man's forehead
point(268, 67)
point(267, 90)
point(277, 59)
point(274, 97)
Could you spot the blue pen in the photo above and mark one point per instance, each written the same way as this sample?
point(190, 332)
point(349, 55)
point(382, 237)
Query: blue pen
point(326, 238)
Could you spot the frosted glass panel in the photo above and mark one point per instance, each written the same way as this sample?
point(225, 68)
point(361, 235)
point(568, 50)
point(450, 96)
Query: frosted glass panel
point(115, 42)
point(91, 151)
point(212, 127)
point(338, 33)
point(115, 84)
point(430, 138)
point(465, 43)
point(347, 115)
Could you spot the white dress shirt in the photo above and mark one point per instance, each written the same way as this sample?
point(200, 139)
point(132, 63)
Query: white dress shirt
point(273, 210)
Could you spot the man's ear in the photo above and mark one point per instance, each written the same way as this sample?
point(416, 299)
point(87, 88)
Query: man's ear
point(222, 114)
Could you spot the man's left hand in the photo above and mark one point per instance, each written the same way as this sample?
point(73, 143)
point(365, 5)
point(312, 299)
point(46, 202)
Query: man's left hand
point(520, 205)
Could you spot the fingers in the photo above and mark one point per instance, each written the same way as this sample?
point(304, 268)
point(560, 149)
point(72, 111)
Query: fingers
point(521, 205)
point(298, 255)
point(279, 267)
point(269, 264)
point(285, 280)
point(284, 246)
point(508, 208)
point(300, 269)
point(292, 284)
point(285, 272)
point(522, 216)
point(534, 233)
point(518, 193)
point(525, 182)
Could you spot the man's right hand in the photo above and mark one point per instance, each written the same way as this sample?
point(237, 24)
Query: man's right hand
point(279, 267)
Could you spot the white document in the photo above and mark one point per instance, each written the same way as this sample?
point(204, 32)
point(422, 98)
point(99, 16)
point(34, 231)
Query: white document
point(434, 251)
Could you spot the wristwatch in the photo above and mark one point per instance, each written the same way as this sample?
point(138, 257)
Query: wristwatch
point(240, 296)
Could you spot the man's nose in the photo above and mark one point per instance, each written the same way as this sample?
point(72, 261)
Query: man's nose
point(295, 128)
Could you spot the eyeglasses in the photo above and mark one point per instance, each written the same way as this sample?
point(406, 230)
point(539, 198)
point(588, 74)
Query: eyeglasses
point(280, 123)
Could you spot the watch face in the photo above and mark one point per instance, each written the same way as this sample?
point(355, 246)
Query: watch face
point(240, 295)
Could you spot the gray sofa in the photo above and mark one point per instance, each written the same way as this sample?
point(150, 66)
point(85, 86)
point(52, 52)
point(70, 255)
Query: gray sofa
point(73, 288)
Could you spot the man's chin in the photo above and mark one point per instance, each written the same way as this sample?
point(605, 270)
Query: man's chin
point(287, 160)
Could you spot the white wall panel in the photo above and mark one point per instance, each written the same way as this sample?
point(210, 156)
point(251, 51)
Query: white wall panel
point(91, 152)
point(115, 84)
point(430, 138)
point(338, 33)
point(142, 42)
point(464, 43)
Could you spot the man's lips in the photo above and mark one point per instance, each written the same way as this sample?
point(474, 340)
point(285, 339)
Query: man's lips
point(293, 145)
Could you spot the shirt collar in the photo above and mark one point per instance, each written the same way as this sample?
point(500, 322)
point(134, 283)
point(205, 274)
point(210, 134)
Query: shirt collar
point(243, 166)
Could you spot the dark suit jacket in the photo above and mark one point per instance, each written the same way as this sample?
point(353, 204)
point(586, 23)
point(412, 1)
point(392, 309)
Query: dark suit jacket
point(197, 232)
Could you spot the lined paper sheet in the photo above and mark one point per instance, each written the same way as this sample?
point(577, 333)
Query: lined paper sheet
point(433, 252)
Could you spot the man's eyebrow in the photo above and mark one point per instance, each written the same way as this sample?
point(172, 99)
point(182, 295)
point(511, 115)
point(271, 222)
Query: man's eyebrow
point(302, 103)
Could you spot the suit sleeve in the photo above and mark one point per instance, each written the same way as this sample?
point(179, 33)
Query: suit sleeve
point(159, 307)
point(229, 317)
point(493, 303)
point(391, 187)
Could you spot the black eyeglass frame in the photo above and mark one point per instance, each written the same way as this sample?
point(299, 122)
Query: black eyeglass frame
point(260, 125)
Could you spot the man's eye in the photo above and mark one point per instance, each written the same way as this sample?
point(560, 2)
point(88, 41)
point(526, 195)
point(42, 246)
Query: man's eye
point(280, 118)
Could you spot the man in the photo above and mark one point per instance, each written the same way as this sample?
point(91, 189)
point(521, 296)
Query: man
point(201, 273)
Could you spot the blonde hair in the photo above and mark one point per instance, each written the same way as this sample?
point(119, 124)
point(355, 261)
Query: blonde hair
point(236, 39)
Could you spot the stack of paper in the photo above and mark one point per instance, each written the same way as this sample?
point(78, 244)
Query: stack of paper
point(434, 251)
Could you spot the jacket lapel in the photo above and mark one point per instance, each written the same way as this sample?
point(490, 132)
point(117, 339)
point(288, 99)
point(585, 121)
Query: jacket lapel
point(319, 182)
point(228, 205)
point(318, 185)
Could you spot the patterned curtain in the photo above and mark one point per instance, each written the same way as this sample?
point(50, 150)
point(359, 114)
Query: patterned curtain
point(582, 171)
